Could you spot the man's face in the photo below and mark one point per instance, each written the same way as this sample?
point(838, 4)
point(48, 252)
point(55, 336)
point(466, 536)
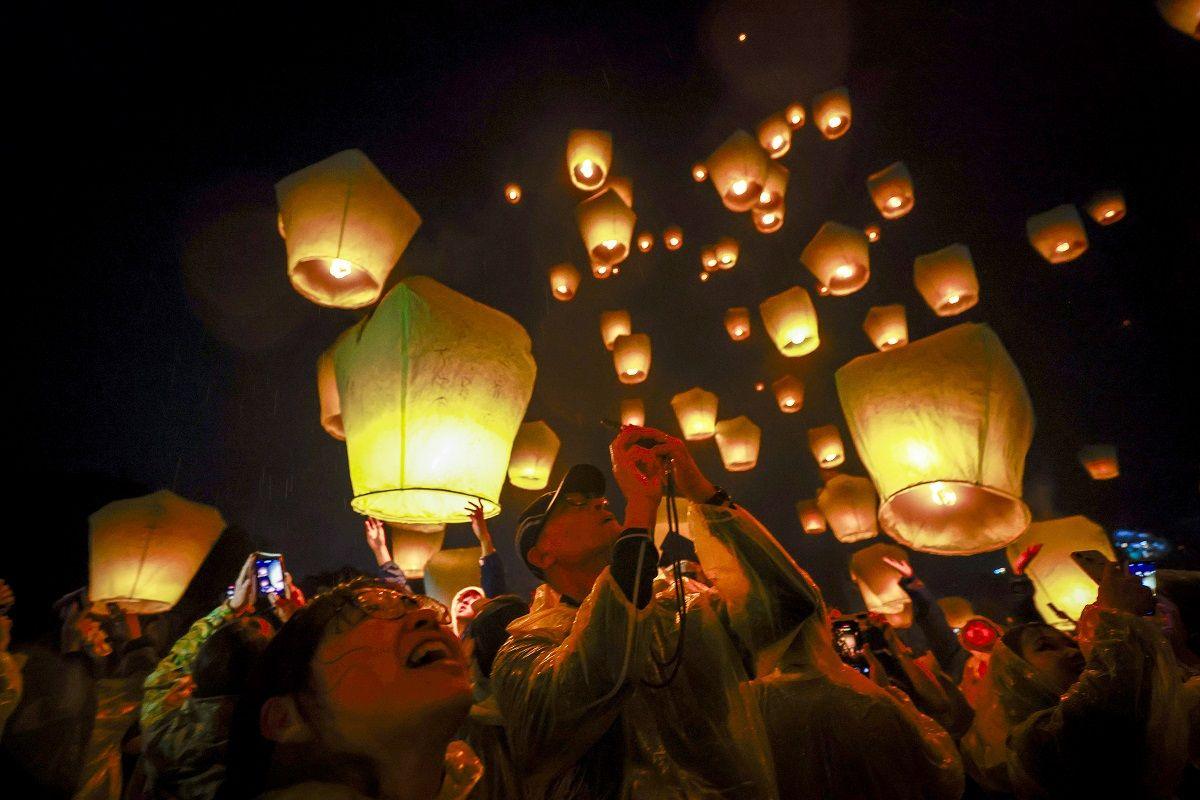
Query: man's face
point(580, 529)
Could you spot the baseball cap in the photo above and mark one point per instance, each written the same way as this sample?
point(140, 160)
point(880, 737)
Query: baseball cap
point(580, 478)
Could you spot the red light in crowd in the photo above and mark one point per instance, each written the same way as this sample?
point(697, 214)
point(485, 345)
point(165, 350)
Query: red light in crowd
point(979, 635)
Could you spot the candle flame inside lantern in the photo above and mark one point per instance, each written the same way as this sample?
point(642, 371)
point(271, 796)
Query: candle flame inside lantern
point(340, 268)
point(1062, 247)
point(942, 495)
point(835, 121)
point(739, 186)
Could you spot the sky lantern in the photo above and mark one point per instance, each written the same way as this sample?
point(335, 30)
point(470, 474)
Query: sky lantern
point(794, 114)
point(631, 357)
point(848, 503)
point(699, 173)
point(606, 224)
point(564, 281)
point(1182, 15)
point(873, 232)
point(144, 551)
point(726, 251)
point(774, 189)
point(633, 412)
point(622, 186)
point(1058, 581)
point(1106, 207)
point(946, 279)
point(347, 226)
point(738, 441)
point(822, 290)
point(1058, 234)
point(533, 454)
point(602, 271)
point(673, 237)
point(1100, 461)
point(589, 155)
point(696, 411)
point(738, 169)
point(957, 610)
point(831, 112)
point(892, 190)
point(768, 221)
point(703, 277)
point(681, 507)
point(433, 387)
point(811, 518)
point(737, 323)
point(413, 544)
point(837, 257)
point(879, 582)
point(826, 445)
point(886, 326)
point(943, 426)
point(775, 135)
point(327, 396)
point(645, 241)
point(708, 259)
point(791, 322)
point(450, 571)
point(614, 324)
point(512, 193)
point(789, 393)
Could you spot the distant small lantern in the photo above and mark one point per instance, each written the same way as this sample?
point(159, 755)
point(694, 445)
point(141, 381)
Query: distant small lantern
point(848, 503)
point(1100, 461)
point(886, 326)
point(696, 410)
point(1182, 15)
point(1106, 207)
point(449, 572)
point(633, 412)
point(622, 186)
point(822, 290)
point(631, 357)
point(737, 323)
point(1061, 588)
point(837, 257)
point(346, 226)
point(589, 155)
point(1058, 234)
point(703, 277)
point(826, 445)
point(774, 189)
point(327, 396)
point(738, 441)
point(606, 224)
point(791, 322)
point(738, 169)
point(413, 544)
point(795, 115)
point(673, 237)
point(708, 259)
point(892, 190)
point(726, 251)
point(872, 232)
point(645, 241)
point(768, 221)
point(564, 281)
point(811, 518)
point(512, 193)
point(699, 173)
point(958, 611)
point(831, 112)
point(602, 271)
point(759, 386)
point(946, 279)
point(613, 324)
point(533, 454)
point(789, 393)
point(775, 135)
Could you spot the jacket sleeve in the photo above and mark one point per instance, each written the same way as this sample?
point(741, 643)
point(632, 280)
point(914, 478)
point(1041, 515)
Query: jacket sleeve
point(491, 575)
point(951, 656)
point(390, 571)
point(167, 676)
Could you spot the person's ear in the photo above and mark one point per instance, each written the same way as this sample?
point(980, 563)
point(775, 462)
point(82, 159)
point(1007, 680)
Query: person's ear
point(280, 721)
point(540, 558)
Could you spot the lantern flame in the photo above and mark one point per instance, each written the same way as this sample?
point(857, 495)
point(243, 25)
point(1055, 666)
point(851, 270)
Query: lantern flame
point(942, 495)
point(340, 268)
point(739, 186)
point(834, 122)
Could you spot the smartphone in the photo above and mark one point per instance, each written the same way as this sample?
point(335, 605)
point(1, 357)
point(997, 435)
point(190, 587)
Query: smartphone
point(1092, 562)
point(1147, 572)
point(847, 640)
point(268, 573)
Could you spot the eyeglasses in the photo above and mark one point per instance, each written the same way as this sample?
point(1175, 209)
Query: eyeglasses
point(378, 602)
point(587, 500)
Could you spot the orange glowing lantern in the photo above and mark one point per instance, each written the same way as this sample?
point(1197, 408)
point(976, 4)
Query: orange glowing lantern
point(774, 189)
point(622, 186)
point(696, 411)
point(564, 281)
point(886, 326)
point(946, 279)
point(879, 582)
point(957, 610)
point(738, 169)
point(768, 221)
point(614, 324)
point(848, 503)
point(645, 241)
point(633, 412)
point(512, 193)
point(673, 237)
point(775, 135)
point(606, 224)
point(737, 323)
point(892, 190)
point(327, 396)
point(533, 454)
point(759, 386)
point(413, 544)
point(602, 272)
point(1182, 15)
point(822, 290)
point(831, 112)
point(794, 114)
point(826, 445)
point(1100, 461)
point(631, 357)
point(1061, 587)
point(873, 233)
point(1107, 207)
point(1058, 234)
point(708, 260)
point(789, 393)
point(811, 518)
point(703, 277)
point(589, 155)
point(738, 440)
point(791, 322)
point(726, 251)
point(837, 257)
point(699, 173)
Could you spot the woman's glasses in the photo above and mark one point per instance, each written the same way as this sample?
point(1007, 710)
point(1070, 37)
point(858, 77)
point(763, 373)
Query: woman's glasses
point(378, 602)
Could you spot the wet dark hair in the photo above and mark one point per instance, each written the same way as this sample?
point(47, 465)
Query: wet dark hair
point(489, 628)
point(224, 661)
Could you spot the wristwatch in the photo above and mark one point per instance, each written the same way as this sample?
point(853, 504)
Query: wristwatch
point(720, 498)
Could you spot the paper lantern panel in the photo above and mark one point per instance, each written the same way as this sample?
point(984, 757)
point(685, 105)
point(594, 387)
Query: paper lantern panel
point(791, 321)
point(738, 440)
point(946, 279)
point(837, 257)
point(696, 410)
point(891, 190)
point(1058, 234)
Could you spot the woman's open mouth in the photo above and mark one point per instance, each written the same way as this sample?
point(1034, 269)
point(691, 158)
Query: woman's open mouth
point(429, 651)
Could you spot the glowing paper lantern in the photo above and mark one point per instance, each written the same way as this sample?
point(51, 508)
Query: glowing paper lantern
point(957, 610)
point(775, 136)
point(633, 412)
point(1058, 582)
point(946, 279)
point(794, 114)
point(602, 271)
point(791, 321)
point(886, 326)
point(738, 441)
point(848, 503)
point(682, 507)
point(533, 454)
point(943, 426)
point(774, 189)
point(631, 357)
point(696, 411)
point(413, 544)
point(433, 387)
point(645, 241)
point(512, 193)
point(789, 393)
point(673, 237)
point(872, 232)
point(811, 518)
point(1106, 207)
point(708, 259)
point(1100, 460)
point(768, 221)
point(327, 397)
point(1057, 234)
point(892, 190)
point(737, 323)
point(738, 169)
point(614, 324)
point(837, 257)
point(564, 281)
point(347, 226)
point(622, 186)
point(878, 581)
point(699, 173)
point(606, 225)
point(450, 571)
point(826, 445)
point(1182, 15)
point(703, 277)
point(589, 155)
point(726, 251)
point(831, 112)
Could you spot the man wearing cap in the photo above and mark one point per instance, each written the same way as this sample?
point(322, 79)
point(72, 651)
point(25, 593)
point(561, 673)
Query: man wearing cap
point(599, 698)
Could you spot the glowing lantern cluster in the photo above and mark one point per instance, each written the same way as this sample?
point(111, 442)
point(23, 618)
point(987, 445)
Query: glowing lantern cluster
point(831, 112)
point(789, 393)
point(533, 454)
point(738, 169)
point(673, 238)
point(564, 281)
point(1106, 207)
point(589, 156)
point(946, 279)
point(837, 257)
point(631, 357)
point(811, 518)
point(738, 440)
point(614, 324)
point(791, 322)
point(1058, 234)
point(826, 445)
point(879, 582)
point(433, 387)
point(768, 212)
point(645, 241)
point(943, 426)
point(143, 552)
point(327, 396)
point(512, 193)
point(892, 190)
point(775, 135)
point(633, 412)
point(346, 227)
point(450, 571)
point(606, 225)
point(886, 326)
point(696, 410)
point(848, 503)
point(1100, 461)
point(794, 114)
point(737, 323)
point(413, 544)
point(1059, 583)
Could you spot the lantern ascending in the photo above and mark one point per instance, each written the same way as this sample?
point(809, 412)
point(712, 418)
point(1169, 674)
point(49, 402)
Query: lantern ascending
point(1059, 582)
point(614, 324)
point(512, 193)
point(413, 544)
point(811, 518)
point(633, 412)
point(794, 114)
point(737, 323)
point(631, 357)
point(791, 321)
point(768, 221)
point(831, 112)
point(450, 571)
point(892, 190)
point(1106, 207)
point(1100, 461)
point(602, 271)
point(886, 326)
point(589, 155)
point(346, 226)
point(564, 281)
point(837, 257)
point(533, 454)
point(943, 426)
point(946, 279)
point(789, 393)
point(774, 189)
point(696, 411)
point(738, 169)
point(708, 259)
point(879, 582)
point(327, 396)
point(826, 445)
point(606, 225)
point(433, 387)
point(645, 241)
point(957, 610)
point(673, 237)
point(726, 251)
point(699, 173)
point(738, 441)
point(872, 232)
point(848, 503)
point(775, 135)
point(1057, 234)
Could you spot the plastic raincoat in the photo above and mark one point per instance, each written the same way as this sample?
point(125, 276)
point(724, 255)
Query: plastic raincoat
point(573, 680)
point(1118, 731)
point(11, 686)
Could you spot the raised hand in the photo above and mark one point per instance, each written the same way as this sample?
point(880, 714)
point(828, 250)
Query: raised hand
point(479, 527)
point(689, 481)
point(377, 540)
point(242, 600)
point(289, 602)
point(900, 565)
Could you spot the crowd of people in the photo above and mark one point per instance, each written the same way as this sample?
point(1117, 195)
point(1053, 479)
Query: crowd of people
point(706, 666)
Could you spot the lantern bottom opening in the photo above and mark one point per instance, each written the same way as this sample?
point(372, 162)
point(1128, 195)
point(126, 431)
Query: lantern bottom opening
point(854, 536)
point(953, 518)
point(744, 201)
point(965, 301)
point(333, 426)
point(420, 505)
point(530, 482)
point(317, 279)
point(136, 605)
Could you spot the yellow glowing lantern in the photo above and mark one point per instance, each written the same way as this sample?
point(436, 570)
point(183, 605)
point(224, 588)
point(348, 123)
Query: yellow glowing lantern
point(826, 445)
point(878, 581)
point(775, 135)
point(886, 326)
point(703, 277)
point(631, 357)
point(633, 412)
point(774, 189)
point(1182, 15)
point(708, 259)
point(738, 441)
point(794, 114)
point(946, 279)
point(768, 221)
point(606, 225)
point(738, 169)
point(837, 257)
point(564, 281)
point(433, 387)
point(603, 271)
point(892, 190)
point(957, 610)
point(848, 503)
point(413, 544)
point(811, 518)
point(943, 426)
point(1058, 234)
point(1058, 582)
point(1106, 207)
point(614, 324)
point(327, 396)
point(589, 154)
point(1100, 461)
point(645, 241)
point(696, 411)
point(791, 321)
point(512, 193)
point(789, 393)
point(831, 112)
point(673, 237)
point(726, 251)
point(347, 226)
point(533, 454)
point(699, 173)
point(622, 186)
point(143, 552)
point(737, 323)
point(450, 571)
point(873, 233)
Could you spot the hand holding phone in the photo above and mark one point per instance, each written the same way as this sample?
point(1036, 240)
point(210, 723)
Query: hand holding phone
point(268, 574)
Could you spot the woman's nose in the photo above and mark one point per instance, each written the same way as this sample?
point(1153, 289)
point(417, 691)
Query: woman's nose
point(421, 619)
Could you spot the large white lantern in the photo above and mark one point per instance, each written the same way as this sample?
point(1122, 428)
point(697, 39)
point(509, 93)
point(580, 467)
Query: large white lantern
point(886, 326)
point(831, 112)
point(631, 357)
point(737, 170)
point(606, 225)
point(826, 445)
point(1058, 582)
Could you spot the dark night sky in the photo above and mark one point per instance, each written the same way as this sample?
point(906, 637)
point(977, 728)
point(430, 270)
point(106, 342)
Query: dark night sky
point(175, 354)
